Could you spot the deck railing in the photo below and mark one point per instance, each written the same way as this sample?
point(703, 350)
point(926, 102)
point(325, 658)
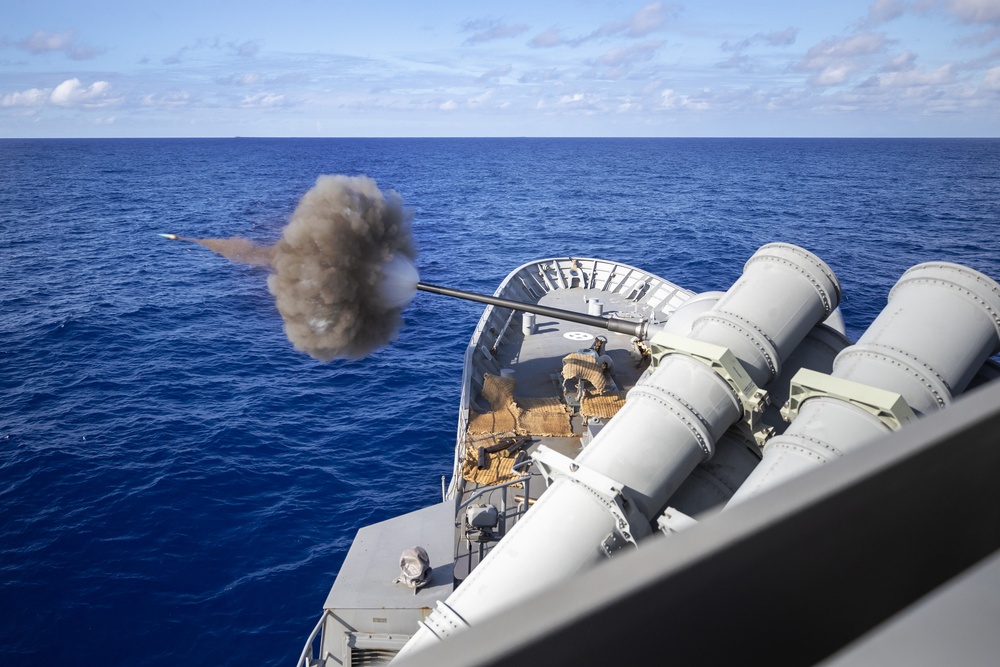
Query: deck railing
point(519, 509)
point(310, 652)
point(508, 514)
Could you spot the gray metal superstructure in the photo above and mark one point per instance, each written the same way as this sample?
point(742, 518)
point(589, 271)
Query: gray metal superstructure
point(697, 396)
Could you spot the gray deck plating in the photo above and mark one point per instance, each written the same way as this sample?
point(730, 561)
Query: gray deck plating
point(365, 608)
point(537, 358)
point(536, 361)
point(366, 578)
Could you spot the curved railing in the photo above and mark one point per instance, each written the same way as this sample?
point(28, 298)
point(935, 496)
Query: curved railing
point(310, 652)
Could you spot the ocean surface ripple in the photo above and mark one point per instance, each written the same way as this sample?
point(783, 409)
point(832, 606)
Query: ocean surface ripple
point(179, 486)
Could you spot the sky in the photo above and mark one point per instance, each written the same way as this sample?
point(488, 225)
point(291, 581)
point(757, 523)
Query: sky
point(394, 68)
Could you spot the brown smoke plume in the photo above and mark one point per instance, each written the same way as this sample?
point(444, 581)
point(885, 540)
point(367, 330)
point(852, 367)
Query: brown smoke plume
point(342, 272)
point(342, 269)
point(238, 249)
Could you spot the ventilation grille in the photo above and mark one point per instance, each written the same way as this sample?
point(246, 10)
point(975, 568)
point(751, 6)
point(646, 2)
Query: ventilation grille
point(369, 657)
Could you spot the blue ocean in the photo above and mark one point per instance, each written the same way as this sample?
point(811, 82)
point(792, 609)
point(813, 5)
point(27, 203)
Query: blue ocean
point(179, 485)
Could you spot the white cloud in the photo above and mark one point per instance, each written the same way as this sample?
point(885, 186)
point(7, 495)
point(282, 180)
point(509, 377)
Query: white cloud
point(621, 68)
point(650, 18)
point(546, 39)
point(651, 87)
point(736, 61)
point(901, 63)
point(982, 37)
point(487, 30)
point(247, 49)
point(647, 20)
point(881, 11)
point(545, 75)
point(42, 42)
point(629, 54)
point(616, 63)
point(848, 47)
point(991, 80)
point(670, 99)
point(46, 42)
point(263, 100)
point(784, 37)
point(166, 100)
point(976, 11)
point(579, 102)
point(832, 75)
point(481, 99)
point(496, 73)
point(834, 60)
point(253, 78)
point(983, 13)
point(34, 97)
point(916, 78)
point(71, 93)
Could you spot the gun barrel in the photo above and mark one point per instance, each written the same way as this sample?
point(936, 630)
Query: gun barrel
point(627, 327)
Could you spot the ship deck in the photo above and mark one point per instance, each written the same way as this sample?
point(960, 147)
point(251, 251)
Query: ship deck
point(534, 364)
point(368, 616)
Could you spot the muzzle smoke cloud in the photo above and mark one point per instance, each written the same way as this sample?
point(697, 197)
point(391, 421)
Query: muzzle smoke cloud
point(343, 270)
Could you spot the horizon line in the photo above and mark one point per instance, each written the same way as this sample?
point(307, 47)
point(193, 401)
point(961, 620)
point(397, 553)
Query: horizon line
point(479, 138)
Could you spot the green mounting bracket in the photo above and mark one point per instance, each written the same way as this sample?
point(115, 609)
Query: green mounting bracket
point(887, 406)
point(725, 364)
